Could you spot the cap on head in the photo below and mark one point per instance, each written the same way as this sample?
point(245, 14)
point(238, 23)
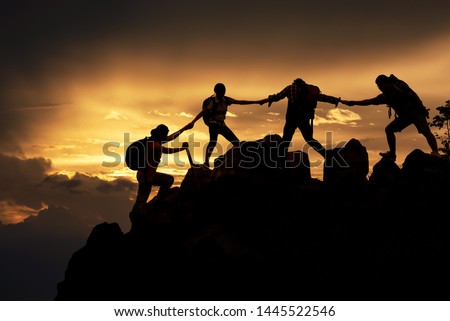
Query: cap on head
point(160, 132)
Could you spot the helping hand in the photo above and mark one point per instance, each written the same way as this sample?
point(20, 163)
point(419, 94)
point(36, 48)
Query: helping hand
point(189, 126)
point(348, 102)
point(263, 101)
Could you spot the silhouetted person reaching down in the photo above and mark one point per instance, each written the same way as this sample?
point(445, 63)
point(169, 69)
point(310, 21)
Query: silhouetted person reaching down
point(217, 106)
point(408, 107)
point(148, 176)
point(302, 101)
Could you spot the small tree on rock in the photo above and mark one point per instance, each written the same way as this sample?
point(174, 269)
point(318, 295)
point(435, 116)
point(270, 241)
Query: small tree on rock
point(442, 121)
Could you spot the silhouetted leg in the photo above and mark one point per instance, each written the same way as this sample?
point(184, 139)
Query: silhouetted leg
point(144, 189)
point(213, 135)
point(396, 126)
point(307, 131)
point(431, 140)
point(164, 181)
point(390, 136)
point(288, 133)
point(422, 126)
point(228, 134)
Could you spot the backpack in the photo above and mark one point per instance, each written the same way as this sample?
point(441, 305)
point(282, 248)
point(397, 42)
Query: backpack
point(135, 154)
point(307, 100)
point(406, 96)
point(209, 114)
point(312, 95)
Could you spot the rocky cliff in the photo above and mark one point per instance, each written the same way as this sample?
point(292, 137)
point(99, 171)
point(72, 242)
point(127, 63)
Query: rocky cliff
point(250, 229)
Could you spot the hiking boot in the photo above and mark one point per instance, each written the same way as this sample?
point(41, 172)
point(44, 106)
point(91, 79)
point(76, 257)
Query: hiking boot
point(389, 155)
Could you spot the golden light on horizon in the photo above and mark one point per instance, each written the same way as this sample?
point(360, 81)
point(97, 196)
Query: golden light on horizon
point(132, 94)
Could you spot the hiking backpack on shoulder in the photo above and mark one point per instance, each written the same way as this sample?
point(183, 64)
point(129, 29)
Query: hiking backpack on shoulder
point(135, 154)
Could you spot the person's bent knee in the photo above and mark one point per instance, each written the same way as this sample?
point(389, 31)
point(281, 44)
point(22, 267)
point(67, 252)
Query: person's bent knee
point(168, 181)
point(389, 130)
point(211, 145)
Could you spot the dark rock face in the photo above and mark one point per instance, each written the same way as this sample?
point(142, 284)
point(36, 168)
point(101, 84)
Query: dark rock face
point(265, 233)
point(347, 165)
point(254, 159)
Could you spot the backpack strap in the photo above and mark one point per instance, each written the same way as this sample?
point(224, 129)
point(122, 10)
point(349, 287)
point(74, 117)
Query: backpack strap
point(214, 107)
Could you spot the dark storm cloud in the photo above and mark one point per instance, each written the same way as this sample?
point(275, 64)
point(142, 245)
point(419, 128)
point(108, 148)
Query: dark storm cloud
point(26, 182)
point(35, 253)
point(45, 39)
point(18, 179)
point(40, 34)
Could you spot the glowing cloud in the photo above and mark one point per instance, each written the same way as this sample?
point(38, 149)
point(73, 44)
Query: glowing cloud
point(339, 116)
point(158, 113)
point(183, 114)
point(115, 115)
point(11, 213)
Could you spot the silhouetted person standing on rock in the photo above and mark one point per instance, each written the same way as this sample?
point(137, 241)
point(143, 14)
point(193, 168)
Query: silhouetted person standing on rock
point(408, 107)
point(302, 101)
point(148, 176)
point(216, 107)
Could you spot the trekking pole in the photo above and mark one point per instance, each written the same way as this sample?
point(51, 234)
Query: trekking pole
point(188, 152)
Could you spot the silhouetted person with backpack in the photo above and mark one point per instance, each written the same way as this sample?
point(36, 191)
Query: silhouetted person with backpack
point(302, 101)
point(215, 108)
point(148, 177)
point(408, 107)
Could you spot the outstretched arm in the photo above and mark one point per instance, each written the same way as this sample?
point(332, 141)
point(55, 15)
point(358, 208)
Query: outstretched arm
point(179, 132)
point(263, 101)
point(248, 102)
point(199, 115)
point(365, 102)
point(172, 150)
point(278, 96)
point(329, 99)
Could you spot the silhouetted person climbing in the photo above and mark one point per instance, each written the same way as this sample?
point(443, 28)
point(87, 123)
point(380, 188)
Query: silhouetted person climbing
point(302, 101)
point(408, 107)
point(216, 107)
point(148, 176)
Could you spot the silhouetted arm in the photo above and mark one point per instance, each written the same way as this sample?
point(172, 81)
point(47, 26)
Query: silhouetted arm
point(246, 102)
point(278, 96)
point(172, 150)
point(179, 132)
point(329, 99)
point(365, 102)
point(263, 101)
point(199, 115)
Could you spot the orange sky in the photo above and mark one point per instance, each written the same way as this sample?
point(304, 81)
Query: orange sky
point(129, 95)
point(79, 77)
